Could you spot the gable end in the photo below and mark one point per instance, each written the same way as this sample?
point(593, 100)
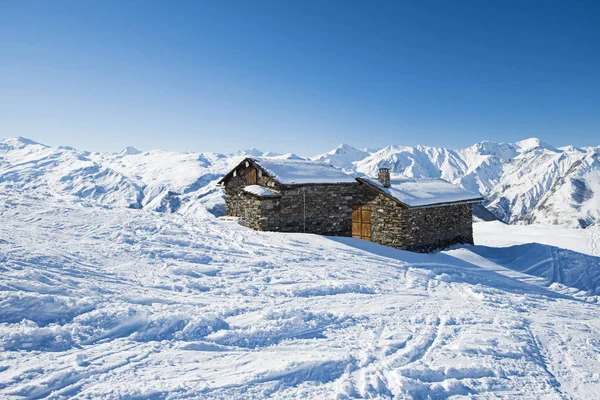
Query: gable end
point(245, 163)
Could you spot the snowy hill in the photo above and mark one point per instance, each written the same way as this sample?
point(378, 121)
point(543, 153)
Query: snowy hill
point(525, 182)
point(156, 180)
point(550, 186)
point(26, 166)
point(173, 181)
point(100, 302)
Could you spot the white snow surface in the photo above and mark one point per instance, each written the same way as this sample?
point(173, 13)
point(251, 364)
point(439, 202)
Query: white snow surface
point(292, 169)
point(424, 191)
point(260, 191)
point(117, 281)
point(112, 302)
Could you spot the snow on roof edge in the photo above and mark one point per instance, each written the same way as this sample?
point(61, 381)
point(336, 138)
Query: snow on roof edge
point(261, 191)
point(439, 201)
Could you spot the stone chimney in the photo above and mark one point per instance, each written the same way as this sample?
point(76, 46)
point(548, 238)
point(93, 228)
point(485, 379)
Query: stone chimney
point(384, 177)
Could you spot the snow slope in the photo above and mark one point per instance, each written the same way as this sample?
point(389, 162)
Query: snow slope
point(156, 180)
point(174, 181)
point(100, 302)
point(27, 166)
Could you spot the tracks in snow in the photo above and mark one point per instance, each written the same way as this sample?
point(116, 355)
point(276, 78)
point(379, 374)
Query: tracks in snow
point(296, 316)
point(593, 235)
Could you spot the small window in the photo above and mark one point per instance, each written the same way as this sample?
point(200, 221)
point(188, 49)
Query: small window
point(251, 177)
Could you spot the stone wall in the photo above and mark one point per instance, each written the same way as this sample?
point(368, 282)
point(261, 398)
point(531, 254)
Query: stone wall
point(258, 213)
point(387, 222)
point(324, 209)
point(434, 228)
point(270, 215)
point(422, 229)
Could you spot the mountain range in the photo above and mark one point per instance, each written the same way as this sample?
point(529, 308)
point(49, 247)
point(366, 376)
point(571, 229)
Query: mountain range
point(524, 182)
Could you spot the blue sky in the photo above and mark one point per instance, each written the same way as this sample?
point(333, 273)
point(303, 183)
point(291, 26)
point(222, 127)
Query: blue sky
point(298, 76)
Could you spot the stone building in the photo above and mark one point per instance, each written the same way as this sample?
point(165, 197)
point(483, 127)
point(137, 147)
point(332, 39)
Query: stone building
point(295, 195)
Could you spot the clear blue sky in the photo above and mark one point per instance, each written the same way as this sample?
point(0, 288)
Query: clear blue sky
point(298, 76)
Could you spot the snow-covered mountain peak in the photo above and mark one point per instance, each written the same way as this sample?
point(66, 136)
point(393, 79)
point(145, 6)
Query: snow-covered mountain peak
point(129, 151)
point(271, 154)
point(530, 144)
point(393, 148)
point(502, 151)
point(288, 156)
point(343, 147)
point(251, 152)
point(412, 162)
point(571, 149)
point(343, 156)
point(17, 142)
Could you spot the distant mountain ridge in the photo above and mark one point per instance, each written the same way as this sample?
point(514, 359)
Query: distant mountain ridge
point(524, 182)
point(528, 181)
point(344, 156)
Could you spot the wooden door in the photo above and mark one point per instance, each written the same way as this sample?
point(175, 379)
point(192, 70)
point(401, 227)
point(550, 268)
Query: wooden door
point(251, 177)
point(361, 222)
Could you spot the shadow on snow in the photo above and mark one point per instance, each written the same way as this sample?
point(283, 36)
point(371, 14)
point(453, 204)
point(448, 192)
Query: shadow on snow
point(475, 265)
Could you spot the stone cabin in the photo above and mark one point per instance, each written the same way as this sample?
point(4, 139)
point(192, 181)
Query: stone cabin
point(296, 195)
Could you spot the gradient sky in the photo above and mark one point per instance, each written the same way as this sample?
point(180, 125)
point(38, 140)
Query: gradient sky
point(298, 76)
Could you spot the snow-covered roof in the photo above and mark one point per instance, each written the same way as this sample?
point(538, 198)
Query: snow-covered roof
point(300, 171)
point(260, 191)
point(424, 192)
point(295, 171)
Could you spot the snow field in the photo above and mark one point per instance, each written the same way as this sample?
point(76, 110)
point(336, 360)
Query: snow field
point(121, 303)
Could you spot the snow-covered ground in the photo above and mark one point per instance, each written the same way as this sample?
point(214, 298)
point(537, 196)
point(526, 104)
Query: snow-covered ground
point(99, 302)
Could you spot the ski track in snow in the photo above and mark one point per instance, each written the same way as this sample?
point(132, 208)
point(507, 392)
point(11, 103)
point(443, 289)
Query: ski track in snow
point(120, 303)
